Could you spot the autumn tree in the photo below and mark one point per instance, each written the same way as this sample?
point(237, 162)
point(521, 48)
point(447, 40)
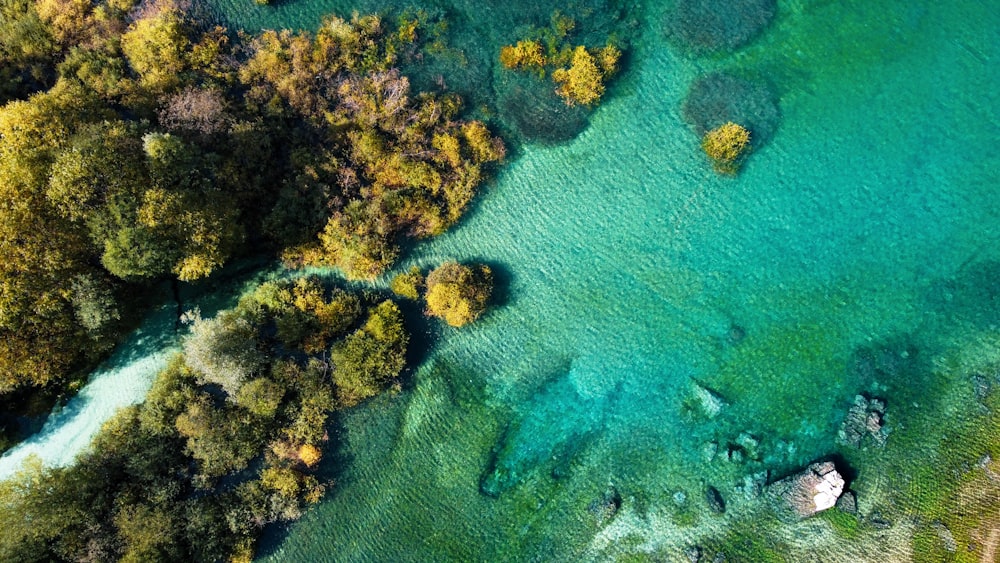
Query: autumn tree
point(726, 146)
point(457, 293)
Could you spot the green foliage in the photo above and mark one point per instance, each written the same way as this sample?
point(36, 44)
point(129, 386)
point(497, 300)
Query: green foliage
point(370, 357)
point(26, 49)
point(458, 293)
point(224, 350)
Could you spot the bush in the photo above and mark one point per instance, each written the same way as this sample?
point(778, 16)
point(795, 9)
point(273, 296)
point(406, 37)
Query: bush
point(582, 83)
point(726, 145)
point(526, 54)
point(458, 293)
point(367, 360)
point(408, 284)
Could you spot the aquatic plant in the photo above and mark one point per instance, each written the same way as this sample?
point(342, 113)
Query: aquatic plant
point(721, 97)
point(726, 145)
point(701, 27)
point(532, 108)
point(458, 293)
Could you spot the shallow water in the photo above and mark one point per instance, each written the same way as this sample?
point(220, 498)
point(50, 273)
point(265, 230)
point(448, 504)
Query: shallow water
point(867, 226)
point(627, 263)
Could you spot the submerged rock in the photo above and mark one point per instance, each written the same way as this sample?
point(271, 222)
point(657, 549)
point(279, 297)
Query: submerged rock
point(707, 26)
point(606, 507)
point(709, 450)
point(750, 445)
point(813, 490)
point(865, 419)
point(715, 501)
point(736, 334)
point(708, 402)
point(848, 502)
point(753, 485)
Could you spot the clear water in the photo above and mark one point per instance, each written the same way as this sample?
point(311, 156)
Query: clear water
point(625, 263)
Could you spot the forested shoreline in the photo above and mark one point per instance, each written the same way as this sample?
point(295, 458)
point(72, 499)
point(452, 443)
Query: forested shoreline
point(140, 145)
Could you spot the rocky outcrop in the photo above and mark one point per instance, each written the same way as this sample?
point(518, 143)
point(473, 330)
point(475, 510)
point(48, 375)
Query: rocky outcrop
point(752, 486)
point(865, 422)
point(813, 490)
point(848, 502)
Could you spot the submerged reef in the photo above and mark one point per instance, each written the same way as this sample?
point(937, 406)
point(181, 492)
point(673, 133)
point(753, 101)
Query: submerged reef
point(701, 27)
point(719, 98)
point(533, 109)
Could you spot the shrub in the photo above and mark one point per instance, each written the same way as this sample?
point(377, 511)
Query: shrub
point(408, 284)
point(526, 54)
point(582, 83)
point(726, 145)
point(458, 293)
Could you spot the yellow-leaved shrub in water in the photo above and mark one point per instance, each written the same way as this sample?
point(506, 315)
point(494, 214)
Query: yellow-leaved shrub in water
point(457, 293)
point(726, 145)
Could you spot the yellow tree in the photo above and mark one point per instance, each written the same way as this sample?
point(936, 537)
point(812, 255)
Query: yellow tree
point(458, 293)
point(583, 82)
point(726, 145)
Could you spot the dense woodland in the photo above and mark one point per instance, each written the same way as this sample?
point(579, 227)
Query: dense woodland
point(226, 441)
point(137, 145)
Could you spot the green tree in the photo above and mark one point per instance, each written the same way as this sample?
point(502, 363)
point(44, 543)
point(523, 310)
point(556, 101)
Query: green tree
point(368, 359)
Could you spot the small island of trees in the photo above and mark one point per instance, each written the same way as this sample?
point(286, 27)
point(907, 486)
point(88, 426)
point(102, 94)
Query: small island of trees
point(225, 443)
point(457, 293)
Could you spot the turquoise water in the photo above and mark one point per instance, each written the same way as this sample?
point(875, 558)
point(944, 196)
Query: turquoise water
point(866, 226)
point(627, 264)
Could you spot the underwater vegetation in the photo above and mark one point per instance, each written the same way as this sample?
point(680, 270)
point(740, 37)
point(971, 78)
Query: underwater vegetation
point(558, 423)
point(720, 97)
point(701, 27)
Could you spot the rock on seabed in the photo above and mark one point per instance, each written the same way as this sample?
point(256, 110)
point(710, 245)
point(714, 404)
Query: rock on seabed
point(813, 490)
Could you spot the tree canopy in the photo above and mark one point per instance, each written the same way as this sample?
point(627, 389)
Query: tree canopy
point(457, 293)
